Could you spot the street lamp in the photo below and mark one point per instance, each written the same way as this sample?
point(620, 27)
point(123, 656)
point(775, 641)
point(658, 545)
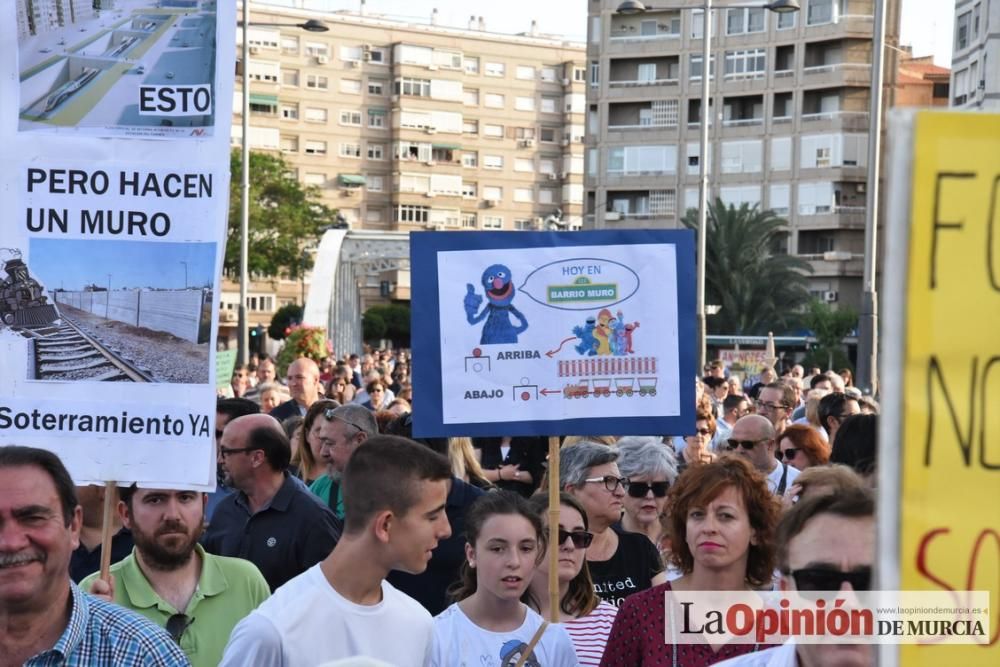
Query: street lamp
point(632, 7)
point(312, 25)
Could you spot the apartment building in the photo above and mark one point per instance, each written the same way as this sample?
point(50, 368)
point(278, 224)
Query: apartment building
point(788, 129)
point(37, 17)
point(408, 126)
point(975, 58)
point(921, 83)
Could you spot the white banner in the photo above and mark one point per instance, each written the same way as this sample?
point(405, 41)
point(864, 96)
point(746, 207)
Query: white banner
point(114, 188)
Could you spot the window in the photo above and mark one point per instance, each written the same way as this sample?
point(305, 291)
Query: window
point(740, 194)
point(750, 63)
point(377, 55)
point(547, 166)
point(414, 87)
point(524, 133)
point(316, 115)
point(317, 49)
point(548, 134)
point(580, 74)
point(374, 183)
point(524, 164)
point(778, 198)
point(822, 11)
point(492, 222)
point(962, 26)
point(350, 150)
point(493, 101)
point(741, 156)
point(314, 147)
point(263, 71)
point(698, 24)
point(373, 215)
point(744, 20)
point(289, 77)
point(470, 159)
point(523, 224)
point(494, 69)
point(470, 97)
point(407, 150)
point(595, 29)
point(376, 151)
point(524, 195)
point(550, 104)
point(470, 127)
point(290, 111)
point(376, 118)
point(695, 67)
point(350, 53)
point(414, 183)
point(406, 213)
point(289, 144)
point(469, 220)
point(548, 74)
point(314, 178)
point(290, 45)
point(786, 20)
point(975, 21)
point(493, 192)
point(546, 195)
point(494, 131)
point(595, 74)
point(351, 86)
point(350, 118)
point(316, 81)
point(493, 162)
point(524, 103)
point(781, 154)
point(469, 190)
point(471, 65)
point(376, 87)
point(815, 198)
point(641, 160)
point(525, 73)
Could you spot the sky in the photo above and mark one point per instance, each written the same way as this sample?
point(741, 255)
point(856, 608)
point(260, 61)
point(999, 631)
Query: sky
point(927, 25)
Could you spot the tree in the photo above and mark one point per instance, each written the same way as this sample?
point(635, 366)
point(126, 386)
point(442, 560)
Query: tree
point(285, 317)
point(395, 318)
point(829, 327)
point(373, 327)
point(759, 290)
point(284, 216)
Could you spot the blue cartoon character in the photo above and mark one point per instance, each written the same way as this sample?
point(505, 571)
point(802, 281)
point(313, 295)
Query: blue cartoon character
point(511, 652)
point(588, 344)
point(499, 287)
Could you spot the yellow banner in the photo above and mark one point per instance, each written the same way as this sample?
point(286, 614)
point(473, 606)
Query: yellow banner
point(950, 508)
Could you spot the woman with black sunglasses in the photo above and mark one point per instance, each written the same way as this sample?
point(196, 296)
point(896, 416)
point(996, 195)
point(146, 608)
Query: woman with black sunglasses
point(650, 468)
point(585, 616)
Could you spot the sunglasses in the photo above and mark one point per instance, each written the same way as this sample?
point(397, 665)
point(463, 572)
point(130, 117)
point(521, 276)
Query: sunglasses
point(176, 625)
point(581, 538)
point(703, 431)
point(640, 489)
point(788, 454)
point(815, 579)
point(745, 444)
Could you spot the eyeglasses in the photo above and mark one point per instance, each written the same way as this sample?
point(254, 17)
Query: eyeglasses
point(611, 483)
point(176, 625)
point(788, 454)
point(745, 444)
point(811, 579)
point(640, 489)
point(761, 405)
point(226, 451)
point(581, 538)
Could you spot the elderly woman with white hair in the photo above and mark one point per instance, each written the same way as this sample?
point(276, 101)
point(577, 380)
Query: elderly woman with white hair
point(650, 468)
point(621, 563)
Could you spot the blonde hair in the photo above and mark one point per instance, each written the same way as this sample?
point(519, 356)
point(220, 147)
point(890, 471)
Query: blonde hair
point(464, 463)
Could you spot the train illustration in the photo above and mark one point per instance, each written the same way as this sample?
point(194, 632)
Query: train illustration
point(604, 387)
point(21, 299)
point(70, 88)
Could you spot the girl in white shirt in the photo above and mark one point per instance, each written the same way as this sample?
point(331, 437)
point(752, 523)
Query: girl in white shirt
point(585, 616)
point(490, 626)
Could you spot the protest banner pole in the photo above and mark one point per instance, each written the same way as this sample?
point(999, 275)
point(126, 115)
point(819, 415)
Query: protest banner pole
point(554, 601)
point(107, 522)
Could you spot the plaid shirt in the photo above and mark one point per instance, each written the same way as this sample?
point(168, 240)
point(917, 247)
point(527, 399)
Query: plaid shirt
point(100, 634)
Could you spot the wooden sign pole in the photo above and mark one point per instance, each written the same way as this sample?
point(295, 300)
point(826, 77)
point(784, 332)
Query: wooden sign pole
point(553, 471)
point(107, 525)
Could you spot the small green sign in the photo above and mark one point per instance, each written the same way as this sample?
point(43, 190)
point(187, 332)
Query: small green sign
point(583, 292)
point(225, 363)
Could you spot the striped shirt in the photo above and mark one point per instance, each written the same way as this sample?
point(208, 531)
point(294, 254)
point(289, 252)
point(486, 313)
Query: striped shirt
point(590, 633)
point(100, 634)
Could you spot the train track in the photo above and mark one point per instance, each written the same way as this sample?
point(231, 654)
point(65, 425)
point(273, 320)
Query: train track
point(66, 352)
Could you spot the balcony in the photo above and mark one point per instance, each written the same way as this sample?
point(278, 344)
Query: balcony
point(835, 264)
point(833, 217)
point(838, 74)
point(847, 120)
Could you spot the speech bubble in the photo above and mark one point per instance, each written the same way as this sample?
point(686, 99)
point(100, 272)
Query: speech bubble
point(581, 283)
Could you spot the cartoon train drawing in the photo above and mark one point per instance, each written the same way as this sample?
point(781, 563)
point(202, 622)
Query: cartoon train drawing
point(647, 386)
point(602, 387)
point(624, 386)
point(579, 390)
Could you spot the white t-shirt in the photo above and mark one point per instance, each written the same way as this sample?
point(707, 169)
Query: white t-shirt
point(774, 477)
point(306, 622)
point(458, 642)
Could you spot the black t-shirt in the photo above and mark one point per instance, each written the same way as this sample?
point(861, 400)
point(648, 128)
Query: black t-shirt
point(631, 569)
point(528, 453)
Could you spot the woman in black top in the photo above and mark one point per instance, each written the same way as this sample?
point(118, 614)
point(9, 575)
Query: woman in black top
point(513, 464)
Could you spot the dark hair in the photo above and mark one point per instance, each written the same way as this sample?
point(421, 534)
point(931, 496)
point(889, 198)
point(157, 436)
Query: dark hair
point(713, 382)
point(12, 456)
point(817, 378)
point(853, 503)
point(304, 452)
point(856, 443)
point(706, 415)
point(700, 485)
point(382, 474)
point(374, 383)
point(580, 598)
point(291, 425)
point(403, 426)
point(787, 393)
point(848, 376)
point(236, 407)
point(273, 442)
point(809, 441)
point(484, 507)
point(832, 405)
point(733, 401)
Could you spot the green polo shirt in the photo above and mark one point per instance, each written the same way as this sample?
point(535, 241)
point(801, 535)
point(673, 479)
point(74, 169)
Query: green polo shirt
point(321, 488)
point(228, 590)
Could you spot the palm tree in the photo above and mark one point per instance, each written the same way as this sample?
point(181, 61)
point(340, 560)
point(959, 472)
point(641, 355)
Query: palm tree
point(759, 290)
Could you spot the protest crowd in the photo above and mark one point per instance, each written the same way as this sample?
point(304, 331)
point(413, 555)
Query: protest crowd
point(335, 537)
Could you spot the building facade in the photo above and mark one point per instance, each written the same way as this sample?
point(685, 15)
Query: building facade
point(921, 83)
point(788, 129)
point(975, 59)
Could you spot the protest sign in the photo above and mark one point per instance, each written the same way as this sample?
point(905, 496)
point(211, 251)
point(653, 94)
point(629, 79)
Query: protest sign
point(939, 458)
point(115, 196)
point(553, 333)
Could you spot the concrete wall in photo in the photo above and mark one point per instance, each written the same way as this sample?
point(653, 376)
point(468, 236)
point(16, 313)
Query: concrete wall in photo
point(177, 312)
